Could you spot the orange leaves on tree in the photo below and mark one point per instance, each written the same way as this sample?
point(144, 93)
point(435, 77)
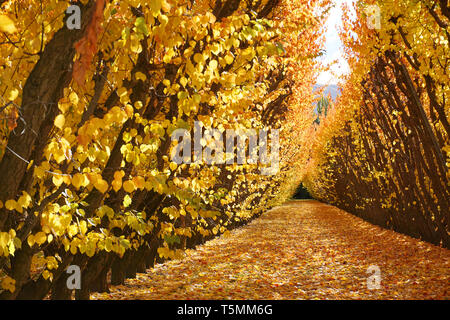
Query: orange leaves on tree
point(87, 46)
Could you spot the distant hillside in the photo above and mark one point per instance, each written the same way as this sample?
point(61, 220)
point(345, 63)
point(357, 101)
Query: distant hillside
point(333, 90)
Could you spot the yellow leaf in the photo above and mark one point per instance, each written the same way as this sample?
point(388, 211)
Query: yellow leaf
point(101, 185)
point(116, 184)
point(173, 166)
point(6, 24)
point(198, 57)
point(72, 230)
point(40, 237)
point(80, 180)
point(59, 121)
point(139, 182)
point(129, 110)
point(165, 6)
point(10, 204)
point(73, 98)
point(108, 245)
point(46, 274)
point(31, 240)
point(129, 186)
point(25, 200)
point(183, 81)
point(127, 201)
point(229, 59)
point(57, 179)
point(73, 248)
point(13, 94)
point(83, 227)
point(155, 7)
point(118, 175)
point(138, 105)
point(213, 64)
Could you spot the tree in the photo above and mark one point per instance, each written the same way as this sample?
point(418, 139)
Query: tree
point(88, 114)
point(322, 108)
point(384, 153)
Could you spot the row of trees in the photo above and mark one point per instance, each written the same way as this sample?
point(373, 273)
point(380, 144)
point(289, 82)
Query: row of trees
point(86, 120)
point(384, 152)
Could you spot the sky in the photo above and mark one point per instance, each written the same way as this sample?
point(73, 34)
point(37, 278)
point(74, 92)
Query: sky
point(333, 47)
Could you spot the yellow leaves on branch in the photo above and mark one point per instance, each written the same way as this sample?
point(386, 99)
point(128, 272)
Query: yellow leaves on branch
point(98, 182)
point(39, 238)
point(9, 284)
point(165, 252)
point(76, 156)
point(9, 243)
point(24, 201)
point(80, 180)
point(157, 5)
point(117, 182)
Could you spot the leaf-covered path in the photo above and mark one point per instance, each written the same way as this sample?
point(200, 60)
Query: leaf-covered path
point(301, 250)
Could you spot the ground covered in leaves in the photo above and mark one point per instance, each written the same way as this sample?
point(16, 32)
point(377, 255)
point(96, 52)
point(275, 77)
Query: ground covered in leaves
point(302, 250)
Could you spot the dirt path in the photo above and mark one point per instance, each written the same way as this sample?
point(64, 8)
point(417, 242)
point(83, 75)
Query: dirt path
point(302, 250)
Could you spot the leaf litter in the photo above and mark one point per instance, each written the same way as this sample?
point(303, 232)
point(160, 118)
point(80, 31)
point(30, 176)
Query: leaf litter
point(301, 250)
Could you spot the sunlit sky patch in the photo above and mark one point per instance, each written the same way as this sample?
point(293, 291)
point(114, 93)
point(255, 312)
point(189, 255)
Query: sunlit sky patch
point(333, 46)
